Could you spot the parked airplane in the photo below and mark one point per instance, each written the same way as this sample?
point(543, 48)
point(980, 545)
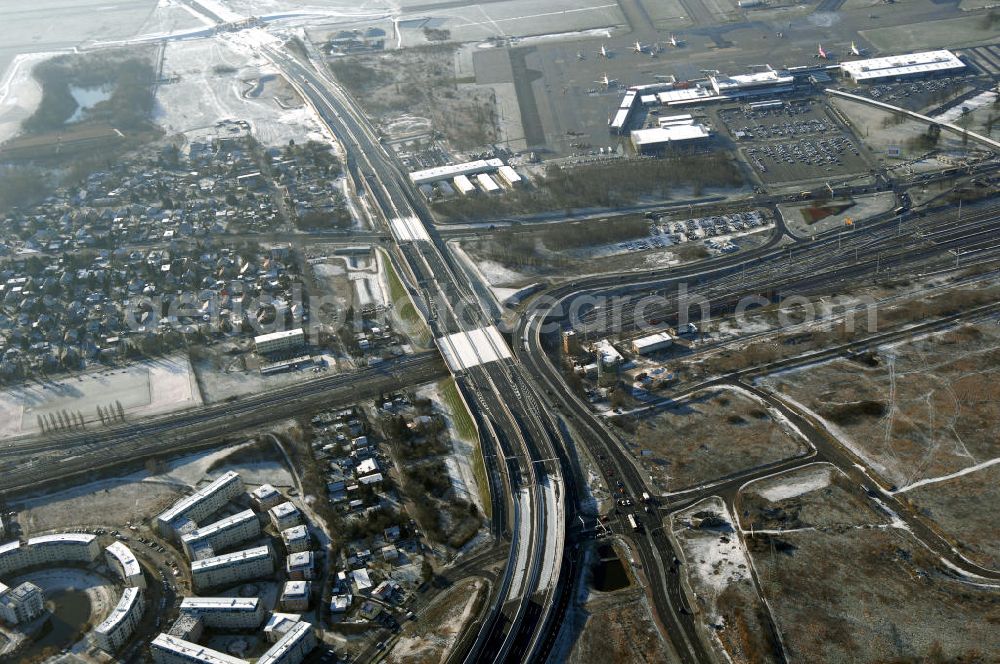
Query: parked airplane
point(638, 47)
point(855, 50)
point(604, 52)
point(674, 41)
point(820, 53)
point(605, 81)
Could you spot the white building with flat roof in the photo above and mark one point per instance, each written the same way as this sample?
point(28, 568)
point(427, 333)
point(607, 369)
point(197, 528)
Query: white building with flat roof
point(223, 533)
point(266, 496)
point(200, 504)
point(232, 568)
point(225, 612)
point(21, 603)
point(669, 136)
point(925, 63)
point(509, 176)
point(454, 171)
point(607, 354)
point(295, 596)
point(464, 185)
point(296, 539)
point(168, 649)
point(116, 629)
point(121, 559)
point(651, 343)
point(279, 341)
point(768, 80)
point(301, 565)
point(292, 647)
point(279, 624)
point(285, 516)
point(487, 183)
point(49, 549)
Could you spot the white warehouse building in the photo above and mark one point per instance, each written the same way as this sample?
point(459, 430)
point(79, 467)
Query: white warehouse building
point(465, 169)
point(121, 559)
point(926, 63)
point(116, 629)
point(227, 532)
point(200, 504)
point(232, 567)
point(651, 343)
point(225, 612)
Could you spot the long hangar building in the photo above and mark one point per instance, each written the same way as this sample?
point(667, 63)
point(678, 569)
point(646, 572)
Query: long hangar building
point(894, 67)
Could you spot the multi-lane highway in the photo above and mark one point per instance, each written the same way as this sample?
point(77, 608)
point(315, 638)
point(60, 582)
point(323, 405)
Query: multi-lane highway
point(521, 434)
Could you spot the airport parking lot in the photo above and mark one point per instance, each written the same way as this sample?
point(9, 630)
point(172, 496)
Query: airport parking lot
point(805, 159)
point(790, 119)
point(716, 231)
point(916, 95)
point(798, 140)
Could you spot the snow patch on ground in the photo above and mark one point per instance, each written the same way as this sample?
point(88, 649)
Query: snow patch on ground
point(944, 478)
point(20, 93)
point(206, 90)
point(459, 460)
point(144, 390)
point(715, 555)
point(781, 488)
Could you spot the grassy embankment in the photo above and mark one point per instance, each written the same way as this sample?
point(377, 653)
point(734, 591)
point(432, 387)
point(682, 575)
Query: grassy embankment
point(467, 430)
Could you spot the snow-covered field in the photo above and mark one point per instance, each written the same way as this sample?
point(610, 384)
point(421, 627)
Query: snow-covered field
point(19, 92)
point(210, 77)
point(780, 488)
point(148, 388)
point(715, 556)
point(137, 496)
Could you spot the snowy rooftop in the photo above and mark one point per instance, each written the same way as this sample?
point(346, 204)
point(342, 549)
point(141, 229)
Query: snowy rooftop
point(182, 506)
point(669, 134)
point(192, 652)
point(62, 538)
point(902, 65)
point(125, 558)
point(222, 524)
point(219, 604)
point(288, 641)
point(450, 171)
point(231, 558)
point(122, 609)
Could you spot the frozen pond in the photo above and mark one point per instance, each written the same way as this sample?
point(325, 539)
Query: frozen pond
point(87, 98)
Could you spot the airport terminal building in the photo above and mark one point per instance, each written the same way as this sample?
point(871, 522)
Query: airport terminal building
point(896, 67)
